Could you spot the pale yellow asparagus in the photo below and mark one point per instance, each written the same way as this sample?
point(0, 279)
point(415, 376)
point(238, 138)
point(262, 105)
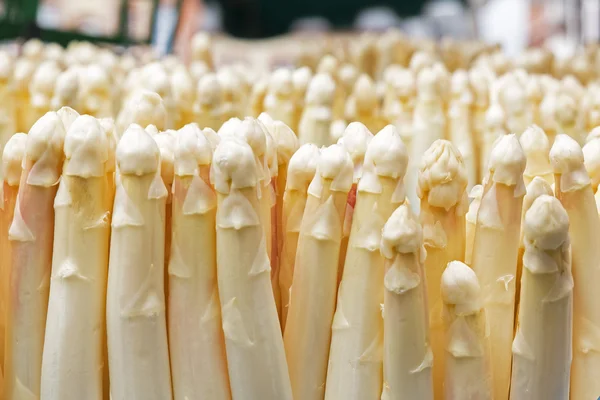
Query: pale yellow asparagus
point(279, 102)
point(31, 235)
point(301, 78)
point(495, 252)
point(471, 220)
point(286, 144)
point(308, 328)
point(442, 189)
point(467, 370)
point(24, 69)
point(138, 356)
point(535, 189)
point(182, 87)
point(66, 89)
point(196, 341)
point(315, 123)
point(356, 356)
point(143, 108)
point(407, 356)
point(513, 98)
point(300, 172)
point(429, 125)
point(12, 157)
point(41, 89)
point(355, 139)
point(566, 115)
point(481, 94)
point(494, 128)
point(573, 189)
point(542, 348)
point(67, 116)
point(591, 156)
point(253, 342)
point(363, 105)
point(8, 113)
point(208, 108)
point(73, 356)
point(536, 146)
point(95, 92)
point(399, 111)
point(460, 124)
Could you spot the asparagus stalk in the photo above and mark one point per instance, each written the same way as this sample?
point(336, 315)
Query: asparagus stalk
point(208, 108)
point(31, 235)
point(95, 92)
point(355, 357)
point(442, 189)
point(196, 342)
point(279, 102)
point(429, 125)
point(363, 106)
point(542, 347)
point(572, 187)
point(591, 156)
point(467, 375)
point(495, 252)
point(301, 78)
point(286, 143)
point(355, 140)
point(399, 110)
point(138, 355)
point(407, 356)
point(460, 124)
point(73, 359)
point(12, 158)
point(471, 219)
point(255, 353)
point(309, 322)
point(315, 123)
point(495, 128)
point(66, 89)
point(300, 172)
point(536, 146)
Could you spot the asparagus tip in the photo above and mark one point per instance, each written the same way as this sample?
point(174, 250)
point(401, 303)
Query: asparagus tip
point(303, 166)
point(137, 152)
point(546, 223)
point(192, 148)
point(566, 155)
point(233, 165)
point(12, 157)
point(507, 160)
point(402, 233)
point(321, 90)
point(460, 286)
point(86, 148)
point(534, 141)
point(387, 153)
point(335, 163)
point(355, 140)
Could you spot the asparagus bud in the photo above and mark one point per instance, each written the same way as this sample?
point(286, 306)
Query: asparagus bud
point(196, 342)
point(255, 354)
point(315, 123)
point(467, 370)
point(407, 356)
point(542, 345)
point(496, 251)
point(138, 355)
point(309, 323)
point(143, 108)
point(442, 189)
point(572, 187)
point(31, 234)
point(355, 357)
point(73, 357)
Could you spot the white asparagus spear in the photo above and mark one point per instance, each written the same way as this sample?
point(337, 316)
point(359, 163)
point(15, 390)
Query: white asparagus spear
point(429, 125)
point(355, 140)
point(301, 171)
point(279, 101)
point(407, 356)
point(363, 105)
point(41, 89)
point(315, 123)
point(460, 124)
point(355, 357)
point(196, 342)
point(31, 234)
point(567, 120)
point(535, 189)
point(591, 156)
point(255, 353)
point(467, 371)
point(138, 356)
point(12, 158)
point(536, 146)
point(495, 128)
point(95, 92)
point(471, 219)
point(143, 108)
point(309, 322)
point(24, 69)
point(572, 188)
point(73, 356)
point(66, 89)
point(208, 108)
point(442, 189)
point(542, 345)
point(286, 144)
point(495, 252)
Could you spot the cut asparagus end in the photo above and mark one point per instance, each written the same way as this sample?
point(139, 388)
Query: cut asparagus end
point(442, 176)
point(566, 157)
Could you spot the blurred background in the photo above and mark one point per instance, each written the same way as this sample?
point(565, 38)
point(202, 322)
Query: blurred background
point(169, 24)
